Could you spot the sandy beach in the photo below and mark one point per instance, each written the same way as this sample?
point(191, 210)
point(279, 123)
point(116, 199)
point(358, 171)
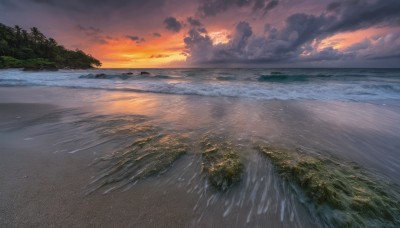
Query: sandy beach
point(40, 187)
point(47, 149)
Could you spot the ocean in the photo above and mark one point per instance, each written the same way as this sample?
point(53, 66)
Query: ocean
point(299, 147)
point(260, 84)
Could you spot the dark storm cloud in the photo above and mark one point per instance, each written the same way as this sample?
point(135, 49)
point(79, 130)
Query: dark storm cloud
point(328, 53)
point(270, 5)
point(172, 24)
point(213, 7)
point(109, 14)
point(156, 34)
point(198, 45)
point(356, 14)
point(333, 6)
point(194, 22)
point(294, 41)
point(378, 47)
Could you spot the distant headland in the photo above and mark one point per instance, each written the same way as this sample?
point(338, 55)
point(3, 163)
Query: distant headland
point(34, 51)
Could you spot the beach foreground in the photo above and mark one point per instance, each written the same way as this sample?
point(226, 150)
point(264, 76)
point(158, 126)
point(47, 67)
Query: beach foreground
point(96, 158)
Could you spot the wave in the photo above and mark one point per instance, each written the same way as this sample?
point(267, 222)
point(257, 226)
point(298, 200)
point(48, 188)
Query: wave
point(242, 84)
point(386, 87)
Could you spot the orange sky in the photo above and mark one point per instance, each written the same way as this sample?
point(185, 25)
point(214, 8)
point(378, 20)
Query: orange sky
point(167, 51)
point(344, 40)
point(103, 30)
point(125, 53)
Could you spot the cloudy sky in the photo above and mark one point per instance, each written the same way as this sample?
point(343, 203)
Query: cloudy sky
point(219, 33)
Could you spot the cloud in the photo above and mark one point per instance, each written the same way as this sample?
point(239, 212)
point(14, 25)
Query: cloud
point(136, 39)
point(156, 34)
point(44, 1)
point(194, 22)
point(104, 13)
point(94, 34)
point(89, 30)
point(271, 4)
point(94, 5)
point(172, 24)
point(213, 7)
point(198, 45)
point(159, 56)
point(299, 39)
point(294, 30)
point(328, 53)
point(378, 47)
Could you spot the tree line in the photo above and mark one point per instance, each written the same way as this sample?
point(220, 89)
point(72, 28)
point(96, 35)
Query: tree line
point(33, 50)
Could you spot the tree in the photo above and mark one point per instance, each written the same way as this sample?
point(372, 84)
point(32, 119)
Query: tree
point(20, 48)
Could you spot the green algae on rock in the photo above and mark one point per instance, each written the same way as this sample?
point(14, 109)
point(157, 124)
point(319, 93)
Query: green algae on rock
point(146, 156)
point(221, 163)
point(343, 194)
point(148, 152)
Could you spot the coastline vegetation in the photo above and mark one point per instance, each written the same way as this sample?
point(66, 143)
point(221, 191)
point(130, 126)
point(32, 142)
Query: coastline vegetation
point(34, 51)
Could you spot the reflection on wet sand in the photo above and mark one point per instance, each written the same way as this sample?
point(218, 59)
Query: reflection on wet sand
point(158, 142)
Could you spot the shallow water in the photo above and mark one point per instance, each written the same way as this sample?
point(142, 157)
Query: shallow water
point(352, 127)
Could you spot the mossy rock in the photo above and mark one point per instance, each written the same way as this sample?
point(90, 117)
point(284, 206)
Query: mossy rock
point(150, 152)
point(344, 194)
point(221, 163)
point(145, 157)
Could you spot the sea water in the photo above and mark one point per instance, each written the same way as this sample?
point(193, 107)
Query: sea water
point(351, 114)
point(260, 84)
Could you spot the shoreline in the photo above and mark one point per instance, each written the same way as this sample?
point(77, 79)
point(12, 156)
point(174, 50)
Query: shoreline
point(48, 149)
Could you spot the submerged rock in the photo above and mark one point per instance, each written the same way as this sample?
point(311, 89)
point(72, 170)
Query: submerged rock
point(344, 195)
point(281, 78)
point(221, 163)
point(146, 156)
point(150, 151)
point(106, 76)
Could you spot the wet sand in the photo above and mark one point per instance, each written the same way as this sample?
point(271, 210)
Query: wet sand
point(41, 188)
point(43, 185)
point(45, 159)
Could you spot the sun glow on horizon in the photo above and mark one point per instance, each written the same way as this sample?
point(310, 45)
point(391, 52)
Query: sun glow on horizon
point(125, 53)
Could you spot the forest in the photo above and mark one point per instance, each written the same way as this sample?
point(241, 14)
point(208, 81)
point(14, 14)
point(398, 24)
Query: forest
point(32, 50)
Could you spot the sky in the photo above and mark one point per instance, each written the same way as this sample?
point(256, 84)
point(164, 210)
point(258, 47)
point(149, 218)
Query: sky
point(219, 33)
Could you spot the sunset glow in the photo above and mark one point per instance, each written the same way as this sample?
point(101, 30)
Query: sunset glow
point(134, 34)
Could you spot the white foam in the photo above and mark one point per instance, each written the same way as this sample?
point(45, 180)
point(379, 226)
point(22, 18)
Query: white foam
point(321, 89)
